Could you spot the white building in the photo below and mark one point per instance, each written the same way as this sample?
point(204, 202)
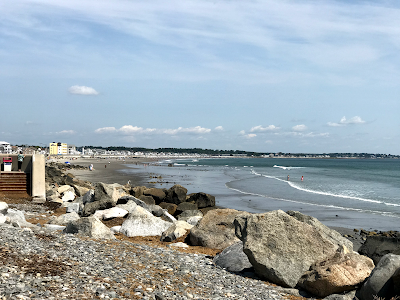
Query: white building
point(5, 147)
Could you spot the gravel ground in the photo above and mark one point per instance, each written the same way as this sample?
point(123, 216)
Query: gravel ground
point(37, 264)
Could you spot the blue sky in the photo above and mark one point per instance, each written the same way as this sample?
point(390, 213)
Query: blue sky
point(268, 76)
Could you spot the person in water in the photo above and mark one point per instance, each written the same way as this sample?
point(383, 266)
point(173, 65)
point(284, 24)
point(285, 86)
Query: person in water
point(288, 178)
point(302, 177)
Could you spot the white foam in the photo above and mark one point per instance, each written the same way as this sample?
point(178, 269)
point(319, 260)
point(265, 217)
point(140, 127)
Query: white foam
point(287, 168)
point(390, 214)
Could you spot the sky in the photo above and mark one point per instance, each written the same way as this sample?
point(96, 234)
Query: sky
point(267, 76)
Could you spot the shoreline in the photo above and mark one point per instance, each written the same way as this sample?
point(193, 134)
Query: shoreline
point(118, 171)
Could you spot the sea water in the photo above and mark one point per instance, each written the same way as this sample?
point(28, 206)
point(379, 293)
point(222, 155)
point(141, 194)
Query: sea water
point(368, 186)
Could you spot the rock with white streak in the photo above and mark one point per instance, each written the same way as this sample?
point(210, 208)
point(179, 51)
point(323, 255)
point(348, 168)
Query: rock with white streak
point(141, 222)
point(113, 212)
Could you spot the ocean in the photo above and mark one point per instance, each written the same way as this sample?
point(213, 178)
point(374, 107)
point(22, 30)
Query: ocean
point(339, 192)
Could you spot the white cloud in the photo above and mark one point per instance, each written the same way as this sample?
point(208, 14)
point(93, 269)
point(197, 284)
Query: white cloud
point(303, 135)
point(301, 127)
point(250, 135)
point(132, 130)
point(105, 130)
point(82, 90)
point(259, 128)
point(66, 132)
point(219, 128)
point(343, 121)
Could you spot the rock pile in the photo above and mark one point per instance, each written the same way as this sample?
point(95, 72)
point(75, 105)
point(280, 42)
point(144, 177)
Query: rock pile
point(286, 248)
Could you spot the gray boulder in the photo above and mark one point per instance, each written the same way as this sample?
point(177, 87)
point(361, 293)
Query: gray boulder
point(396, 282)
point(91, 227)
point(345, 296)
point(281, 248)
point(380, 283)
point(175, 231)
point(157, 194)
point(17, 218)
point(129, 206)
point(185, 206)
point(156, 210)
point(170, 207)
point(111, 192)
point(202, 200)
point(149, 200)
point(74, 207)
point(141, 222)
point(375, 247)
point(215, 230)
point(330, 234)
point(233, 258)
point(88, 197)
point(3, 208)
point(65, 219)
point(184, 216)
point(126, 199)
point(176, 194)
point(90, 208)
point(137, 191)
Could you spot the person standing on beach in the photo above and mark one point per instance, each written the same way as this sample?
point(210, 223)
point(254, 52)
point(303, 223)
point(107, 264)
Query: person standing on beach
point(20, 160)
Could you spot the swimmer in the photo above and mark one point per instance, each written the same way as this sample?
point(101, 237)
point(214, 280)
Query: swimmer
point(302, 177)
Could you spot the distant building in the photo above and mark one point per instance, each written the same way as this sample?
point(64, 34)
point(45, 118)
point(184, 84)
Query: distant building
point(5, 147)
point(58, 148)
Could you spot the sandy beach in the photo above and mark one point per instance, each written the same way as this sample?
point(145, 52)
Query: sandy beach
point(140, 172)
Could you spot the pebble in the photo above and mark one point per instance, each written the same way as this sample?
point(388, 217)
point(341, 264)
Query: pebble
point(41, 264)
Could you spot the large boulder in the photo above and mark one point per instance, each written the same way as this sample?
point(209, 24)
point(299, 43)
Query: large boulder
point(113, 212)
point(129, 206)
point(380, 283)
point(216, 230)
point(80, 190)
point(88, 197)
point(342, 273)
point(127, 199)
point(281, 248)
point(65, 219)
point(68, 196)
point(3, 208)
point(375, 247)
point(109, 191)
point(185, 206)
point(149, 200)
point(175, 231)
point(184, 216)
point(65, 188)
point(202, 200)
point(396, 282)
point(157, 194)
point(91, 207)
point(137, 191)
point(335, 237)
point(233, 258)
point(91, 227)
point(176, 194)
point(170, 207)
point(141, 222)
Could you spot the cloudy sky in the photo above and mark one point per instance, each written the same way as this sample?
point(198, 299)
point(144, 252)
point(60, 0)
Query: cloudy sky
point(283, 75)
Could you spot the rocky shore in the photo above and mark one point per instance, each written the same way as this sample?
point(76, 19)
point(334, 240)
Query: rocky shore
point(113, 241)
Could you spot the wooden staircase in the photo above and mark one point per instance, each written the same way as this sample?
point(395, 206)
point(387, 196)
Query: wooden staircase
point(14, 182)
